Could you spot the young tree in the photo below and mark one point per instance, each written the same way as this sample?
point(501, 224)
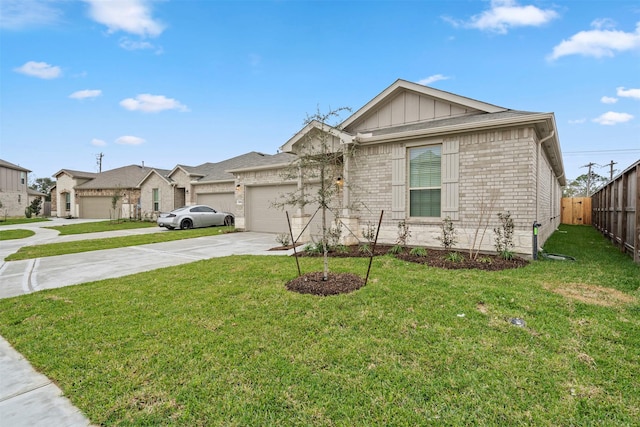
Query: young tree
point(318, 169)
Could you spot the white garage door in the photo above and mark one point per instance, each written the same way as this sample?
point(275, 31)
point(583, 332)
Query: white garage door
point(219, 201)
point(261, 216)
point(95, 207)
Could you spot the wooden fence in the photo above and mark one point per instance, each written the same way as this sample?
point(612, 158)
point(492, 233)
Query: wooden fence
point(576, 211)
point(616, 210)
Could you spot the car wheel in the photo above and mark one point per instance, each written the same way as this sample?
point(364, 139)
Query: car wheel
point(228, 220)
point(186, 224)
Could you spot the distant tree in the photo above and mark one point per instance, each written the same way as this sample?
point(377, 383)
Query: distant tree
point(584, 185)
point(43, 185)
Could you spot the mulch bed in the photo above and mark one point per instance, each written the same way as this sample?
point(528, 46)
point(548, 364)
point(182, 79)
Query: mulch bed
point(336, 283)
point(339, 283)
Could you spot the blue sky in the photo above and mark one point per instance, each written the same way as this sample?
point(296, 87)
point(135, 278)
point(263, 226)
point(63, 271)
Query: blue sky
point(192, 81)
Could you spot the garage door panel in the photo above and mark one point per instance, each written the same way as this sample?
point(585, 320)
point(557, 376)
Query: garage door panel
point(218, 201)
point(261, 214)
point(95, 207)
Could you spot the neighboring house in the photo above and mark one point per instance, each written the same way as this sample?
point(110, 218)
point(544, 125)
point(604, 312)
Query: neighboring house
point(92, 195)
point(422, 155)
point(209, 183)
point(15, 194)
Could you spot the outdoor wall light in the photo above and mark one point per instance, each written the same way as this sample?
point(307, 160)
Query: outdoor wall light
point(339, 181)
point(238, 187)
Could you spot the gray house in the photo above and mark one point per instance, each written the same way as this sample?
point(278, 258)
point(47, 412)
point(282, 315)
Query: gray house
point(422, 155)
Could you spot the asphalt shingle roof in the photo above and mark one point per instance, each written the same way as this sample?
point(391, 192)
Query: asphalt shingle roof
point(124, 177)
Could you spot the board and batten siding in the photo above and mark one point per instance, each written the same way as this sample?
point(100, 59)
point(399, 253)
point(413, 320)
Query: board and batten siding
point(407, 107)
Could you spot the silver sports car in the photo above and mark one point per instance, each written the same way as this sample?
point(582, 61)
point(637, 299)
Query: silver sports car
point(194, 217)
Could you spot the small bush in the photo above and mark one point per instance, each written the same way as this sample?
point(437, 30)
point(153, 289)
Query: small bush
point(283, 239)
point(365, 249)
point(418, 252)
point(396, 249)
point(27, 212)
point(508, 255)
point(454, 257)
point(448, 237)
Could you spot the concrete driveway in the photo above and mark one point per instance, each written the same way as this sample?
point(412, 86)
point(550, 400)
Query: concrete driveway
point(28, 398)
point(22, 277)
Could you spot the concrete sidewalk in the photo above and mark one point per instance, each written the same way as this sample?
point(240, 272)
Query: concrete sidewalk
point(28, 398)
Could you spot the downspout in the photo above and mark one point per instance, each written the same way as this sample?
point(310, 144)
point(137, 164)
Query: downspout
point(536, 223)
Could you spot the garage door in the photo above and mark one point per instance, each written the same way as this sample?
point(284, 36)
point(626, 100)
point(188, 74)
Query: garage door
point(95, 207)
point(261, 216)
point(219, 201)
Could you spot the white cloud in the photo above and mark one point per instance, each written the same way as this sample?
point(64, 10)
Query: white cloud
point(87, 93)
point(41, 70)
point(506, 14)
point(21, 14)
point(613, 118)
point(601, 41)
point(130, 140)
point(577, 121)
point(608, 100)
point(628, 93)
point(98, 142)
point(152, 103)
point(131, 16)
point(128, 44)
point(431, 79)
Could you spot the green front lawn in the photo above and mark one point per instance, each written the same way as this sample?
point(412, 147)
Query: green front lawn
point(63, 248)
point(15, 234)
point(221, 342)
point(99, 226)
point(22, 220)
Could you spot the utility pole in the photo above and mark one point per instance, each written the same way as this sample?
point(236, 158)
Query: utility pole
point(99, 157)
point(610, 169)
point(590, 165)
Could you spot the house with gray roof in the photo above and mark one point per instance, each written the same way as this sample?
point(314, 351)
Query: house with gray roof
point(422, 155)
point(209, 183)
point(93, 195)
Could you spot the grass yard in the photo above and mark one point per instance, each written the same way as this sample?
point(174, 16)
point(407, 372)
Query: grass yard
point(20, 220)
point(222, 342)
point(99, 226)
point(15, 234)
point(63, 248)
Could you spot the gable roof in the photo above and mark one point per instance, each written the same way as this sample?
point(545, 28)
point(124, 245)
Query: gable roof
point(268, 162)
point(124, 177)
point(75, 174)
point(344, 137)
point(404, 85)
point(212, 172)
point(162, 173)
point(10, 165)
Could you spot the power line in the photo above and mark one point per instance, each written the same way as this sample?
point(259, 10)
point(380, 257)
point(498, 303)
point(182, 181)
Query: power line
point(629, 150)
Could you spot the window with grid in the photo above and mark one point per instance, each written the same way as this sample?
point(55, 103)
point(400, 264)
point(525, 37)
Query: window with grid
point(425, 171)
point(156, 199)
point(67, 201)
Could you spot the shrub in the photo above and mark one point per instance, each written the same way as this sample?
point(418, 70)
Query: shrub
point(418, 252)
point(283, 239)
point(448, 237)
point(454, 257)
point(504, 235)
point(365, 249)
point(27, 211)
point(396, 249)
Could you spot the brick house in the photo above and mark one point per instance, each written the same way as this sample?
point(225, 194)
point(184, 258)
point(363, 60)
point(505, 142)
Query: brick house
point(422, 155)
point(91, 195)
